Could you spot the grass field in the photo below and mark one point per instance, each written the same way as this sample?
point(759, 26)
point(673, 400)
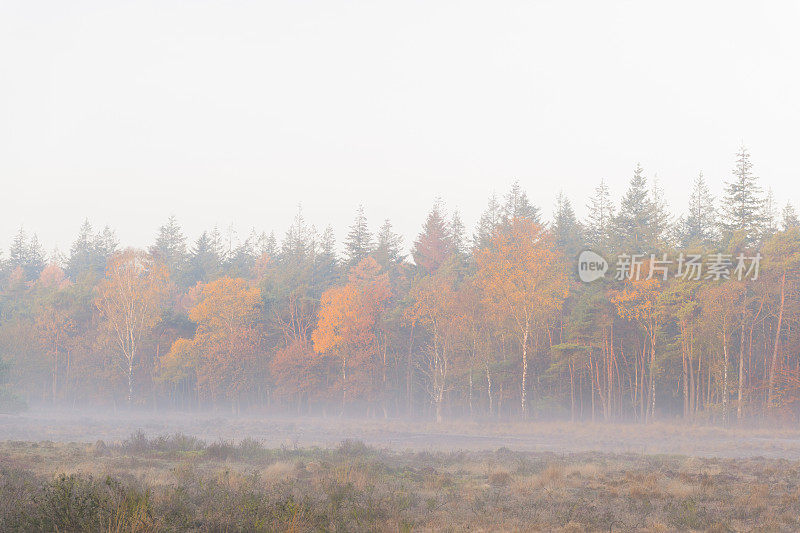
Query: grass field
point(180, 483)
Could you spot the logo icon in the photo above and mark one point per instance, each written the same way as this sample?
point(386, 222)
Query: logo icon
point(591, 266)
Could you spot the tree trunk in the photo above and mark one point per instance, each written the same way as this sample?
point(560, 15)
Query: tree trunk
point(524, 396)
point(777, 342)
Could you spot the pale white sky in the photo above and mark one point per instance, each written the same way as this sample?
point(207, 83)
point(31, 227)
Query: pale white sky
point(234, 112)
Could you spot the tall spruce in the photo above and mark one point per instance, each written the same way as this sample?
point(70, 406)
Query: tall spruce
point(517, 204)
point(635, 221)
point(699, 225)
point(490, 220)
point(434, 244)
point(567, 230)
point(600, 218)
point(170, 246)
point(358, 243)
point(388, 251)
point(789, 217)
point(742, 204)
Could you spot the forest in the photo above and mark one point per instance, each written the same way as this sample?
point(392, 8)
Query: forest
point(492, 323)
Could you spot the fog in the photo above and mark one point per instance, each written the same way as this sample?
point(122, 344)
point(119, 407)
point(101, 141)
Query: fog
point(292, 432)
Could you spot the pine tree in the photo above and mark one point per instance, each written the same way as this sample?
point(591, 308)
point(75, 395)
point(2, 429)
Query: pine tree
point(698, 227)
point(170, 246)
point(388, 251)
point(18, 254)
point(295, 246)
point(84, 256)
point(241, 260)
point(518, 206)
point(490, 220)
point(204, 263)
point(634, 224)
point(27, 255)
point(458, 236)
point(661, 219)
point(358, 244)
point(106, 244)
point(742, 205)
point(600, 219)
point(36, 260)
point(567, 230)
point(434, 244)
point(790, 219)
point(218, 245)
point(769, 216)
point(326, 270)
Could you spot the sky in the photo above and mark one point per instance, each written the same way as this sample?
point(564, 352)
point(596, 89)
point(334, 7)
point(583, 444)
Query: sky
point(237, 112)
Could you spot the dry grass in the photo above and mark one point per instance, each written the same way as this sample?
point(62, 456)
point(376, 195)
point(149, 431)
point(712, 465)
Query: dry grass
point(179, 484)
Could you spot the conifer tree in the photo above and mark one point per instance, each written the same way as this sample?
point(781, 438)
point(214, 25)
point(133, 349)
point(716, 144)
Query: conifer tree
point(204, 263)
point(742, 204)
point(518, 206)
point(434, 244)
point(170, 245)
point(388, 251)
point(635, 221)
point(789, 216)
point(698, 227)
point(567, 230)
point(600, 219)
point(358, 244)
point(490, 220)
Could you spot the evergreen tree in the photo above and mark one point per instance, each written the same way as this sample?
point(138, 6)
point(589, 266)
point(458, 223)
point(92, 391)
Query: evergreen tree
point(698, 227)
point(241, 260)
point(769, 216)
point(790, 219)
point(458, 236)
point(490, 220)
point(170, 246)
point(518, 206)
point(204, 262)
point(36, 260)
point(326, 270)
point(434, 245)
point(567, 230)
point(742, 205)
point(106, 244)
point(85, 257)
point(635, 222)
point(599, 222)
point(388, 252)
point(18, 254)
point(358, 244)
point(219, 246)
point(27, 255)
point(661, 219)
point(270, 245)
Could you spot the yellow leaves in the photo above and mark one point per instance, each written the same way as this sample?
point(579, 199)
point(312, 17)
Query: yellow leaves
point(349, 313)
point(227, 347)
point(178, 363)
point(130, 296)
point(522, 273)
point(225, 304)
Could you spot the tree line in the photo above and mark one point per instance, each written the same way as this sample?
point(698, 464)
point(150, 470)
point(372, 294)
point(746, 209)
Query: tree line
point(492, 324)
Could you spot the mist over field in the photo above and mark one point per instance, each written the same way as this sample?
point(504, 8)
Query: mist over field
point(399, 266)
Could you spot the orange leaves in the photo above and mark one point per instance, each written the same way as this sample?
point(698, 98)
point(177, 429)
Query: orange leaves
point(227, 346)
point(522, 273)
point(349, 314)
point(224, 306)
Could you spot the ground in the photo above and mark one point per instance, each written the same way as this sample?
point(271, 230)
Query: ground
point(76, 473)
